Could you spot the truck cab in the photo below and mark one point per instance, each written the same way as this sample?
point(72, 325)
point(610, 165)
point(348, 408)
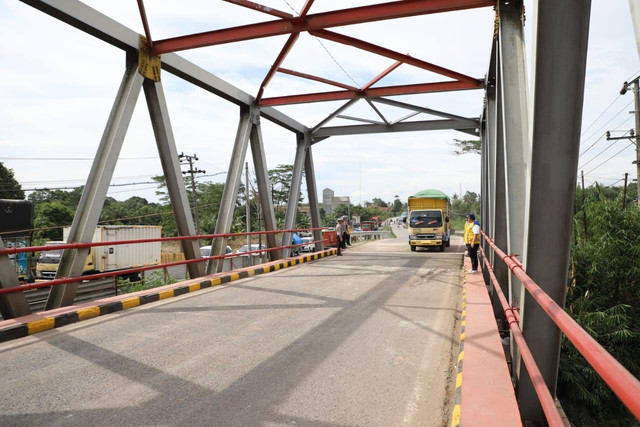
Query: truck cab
point(48, 262)
point(428, 220)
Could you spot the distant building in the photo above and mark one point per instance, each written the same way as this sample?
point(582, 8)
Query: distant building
point(330, 201)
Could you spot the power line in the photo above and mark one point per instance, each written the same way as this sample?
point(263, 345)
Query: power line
point(611, 157)
point(601, 114)
point(601, 127)
point(73, 158)
point(327, 50)
point(110, 185)
point(632, 76)
point(596, 156)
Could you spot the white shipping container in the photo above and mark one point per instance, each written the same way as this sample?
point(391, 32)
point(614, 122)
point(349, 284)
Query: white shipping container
point(119, 257)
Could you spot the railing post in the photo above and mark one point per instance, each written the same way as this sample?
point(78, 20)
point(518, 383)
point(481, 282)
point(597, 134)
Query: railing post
point(230, 192)
point(95, 190)
point(560, 55)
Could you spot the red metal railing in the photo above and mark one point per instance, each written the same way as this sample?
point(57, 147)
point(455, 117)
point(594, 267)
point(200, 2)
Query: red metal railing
point(616, 376)
point(544, 395)
point(63, 280)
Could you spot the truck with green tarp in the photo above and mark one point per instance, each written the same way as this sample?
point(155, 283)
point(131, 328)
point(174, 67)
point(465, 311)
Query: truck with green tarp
point(428, 220)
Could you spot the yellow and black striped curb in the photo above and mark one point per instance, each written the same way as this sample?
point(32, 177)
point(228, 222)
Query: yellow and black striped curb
point(455, 418)
point(55, 321)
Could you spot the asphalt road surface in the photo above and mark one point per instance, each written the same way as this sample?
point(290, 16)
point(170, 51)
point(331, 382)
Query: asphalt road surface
point(366, 339)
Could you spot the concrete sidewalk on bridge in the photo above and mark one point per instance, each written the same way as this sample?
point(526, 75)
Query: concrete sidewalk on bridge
point(484, 391)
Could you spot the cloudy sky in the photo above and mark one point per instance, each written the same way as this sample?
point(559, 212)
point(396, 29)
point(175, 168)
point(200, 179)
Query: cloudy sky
point(57, 85)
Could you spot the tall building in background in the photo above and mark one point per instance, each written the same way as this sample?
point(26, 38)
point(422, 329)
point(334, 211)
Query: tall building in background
point(330, 201)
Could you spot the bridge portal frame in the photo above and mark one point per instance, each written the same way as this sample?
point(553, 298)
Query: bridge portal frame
point(515, 164)
point(531, 163)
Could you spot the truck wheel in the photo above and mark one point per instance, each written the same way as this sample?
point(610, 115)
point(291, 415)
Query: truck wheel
point(413, 248)
point(442, 247)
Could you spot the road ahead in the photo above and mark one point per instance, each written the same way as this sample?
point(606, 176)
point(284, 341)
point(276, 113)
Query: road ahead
point(364, 339)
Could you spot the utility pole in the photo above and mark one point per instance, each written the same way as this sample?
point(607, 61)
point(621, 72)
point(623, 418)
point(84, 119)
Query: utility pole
point(635, 136)
point(246, 197)
point(624, 194)
point(189, 160)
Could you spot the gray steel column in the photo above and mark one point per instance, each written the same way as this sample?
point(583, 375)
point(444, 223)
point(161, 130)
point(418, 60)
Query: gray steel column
point(500, 232)
point(264, 187)
point(312, 195)
point(166, 143)
point(560, 56)
point(294, 192)
point(15, 304)
point(516, 134)
point(95, 190)
point(230, 192)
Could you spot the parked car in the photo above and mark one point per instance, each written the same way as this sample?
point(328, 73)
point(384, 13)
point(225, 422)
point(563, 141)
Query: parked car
point(308, 247)
point(206, 250)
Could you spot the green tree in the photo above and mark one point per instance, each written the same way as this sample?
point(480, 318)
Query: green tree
point(341, 210)
point(468, 146)
point(280, 178)
point(396, 208)
point(379, 202)
point(10, 188)
point(51, 214)
point(603, 296)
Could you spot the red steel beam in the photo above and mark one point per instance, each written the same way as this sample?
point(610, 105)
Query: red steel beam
point(370, 47)
point(380, 76)
point(283, 53)
point(306, 7)
point(261, 8)
point(281, 56)
point(316, 78)
point(318, 21)
point(372, 92)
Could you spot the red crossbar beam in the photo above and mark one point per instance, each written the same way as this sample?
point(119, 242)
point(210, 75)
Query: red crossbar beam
point(540, 386)
point(276, 64)
point(371, 92)
point(16, 250)
point(617, 377)
point(356, 15)
point(64, 280)
point(261, 8)
point(370, 47)
point(316, 78)
point(382, 75)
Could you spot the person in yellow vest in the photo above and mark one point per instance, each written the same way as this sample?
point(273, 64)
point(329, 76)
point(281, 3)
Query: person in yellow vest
point(472, 240)
point(348, 233)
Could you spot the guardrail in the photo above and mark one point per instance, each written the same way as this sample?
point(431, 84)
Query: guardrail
point(367, 235)
point(616, 376)
point(63, 280)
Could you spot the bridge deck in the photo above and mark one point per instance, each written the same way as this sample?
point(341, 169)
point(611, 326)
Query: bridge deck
point(369, 338)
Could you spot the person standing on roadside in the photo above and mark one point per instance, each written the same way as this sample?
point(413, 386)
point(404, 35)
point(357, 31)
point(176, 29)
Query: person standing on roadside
point(348, 233)
point(340, 231)
point(472, 240)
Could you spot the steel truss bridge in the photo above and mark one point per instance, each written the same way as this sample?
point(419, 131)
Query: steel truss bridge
point(530, 146)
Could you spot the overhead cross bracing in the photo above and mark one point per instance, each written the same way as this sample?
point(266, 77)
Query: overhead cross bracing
point(315, 24)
